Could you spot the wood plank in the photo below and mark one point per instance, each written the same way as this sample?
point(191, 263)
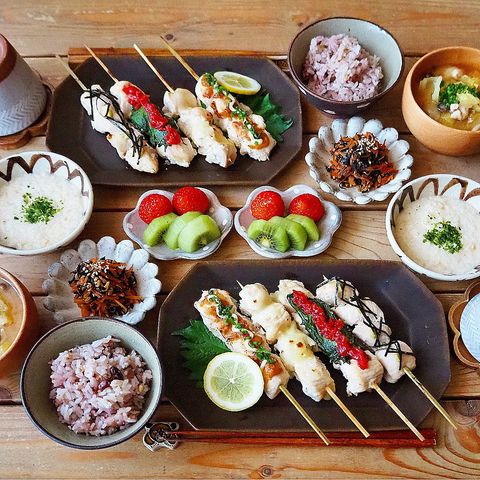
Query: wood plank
point(455, 456)
point(425, 161)
point(362, 235)
point(53, 27)
point(465, 381)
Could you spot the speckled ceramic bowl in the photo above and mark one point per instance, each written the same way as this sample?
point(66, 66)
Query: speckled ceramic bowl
point(452, 186)
point(59, 298)
point(327, 225)
point(134, 227)
point(30, 163)
point(35, 379)
point(371, 36)
point(318, 158)
point(434, 135)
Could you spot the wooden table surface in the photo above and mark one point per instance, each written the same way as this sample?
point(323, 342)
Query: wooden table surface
point(41, 29)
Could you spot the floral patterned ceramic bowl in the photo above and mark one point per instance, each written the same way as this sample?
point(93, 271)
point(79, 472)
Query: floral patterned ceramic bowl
point(327, 226)
point(59, 298)
point(318, 158)
point(134, 227)
point(442, 184)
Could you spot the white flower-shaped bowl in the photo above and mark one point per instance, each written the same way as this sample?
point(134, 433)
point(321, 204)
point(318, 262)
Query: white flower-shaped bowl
point(134, 227)
point(453, 186)
point(327, 225)
point(318, 158)
point(59, 298)
point(38, 162)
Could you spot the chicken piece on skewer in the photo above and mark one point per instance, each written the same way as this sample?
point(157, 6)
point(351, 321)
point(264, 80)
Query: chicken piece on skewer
point(106, 117)
point(368, 322)
point(360, 368)
point(160, 130)
point(293, 345)
point(246, 129)
point(197, 123)
point(334, 291)
point(219, 313)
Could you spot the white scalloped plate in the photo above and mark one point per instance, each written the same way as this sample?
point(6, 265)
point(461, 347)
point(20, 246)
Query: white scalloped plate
point(328, 224)
point(134, 227)
point(59, 298)
point(470, 326)
point(318, 158)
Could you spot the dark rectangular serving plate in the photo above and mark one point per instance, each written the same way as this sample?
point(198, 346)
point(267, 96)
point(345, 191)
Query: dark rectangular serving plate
point(70, 132)
point(414, 313)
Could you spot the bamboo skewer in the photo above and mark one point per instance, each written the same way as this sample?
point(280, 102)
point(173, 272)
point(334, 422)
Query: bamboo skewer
point(187, 67)
point(430, 397)
point(71, 72)
point(392, 405)
point(100, 62)
point(152, 67)
point(342, 406)
point(347, 412)
point(304, 414)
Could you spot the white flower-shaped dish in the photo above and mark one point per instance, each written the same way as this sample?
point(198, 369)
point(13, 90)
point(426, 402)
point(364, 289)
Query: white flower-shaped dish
point(134, 227)
point(318, 158)
point(59, 298)
point(327, 225)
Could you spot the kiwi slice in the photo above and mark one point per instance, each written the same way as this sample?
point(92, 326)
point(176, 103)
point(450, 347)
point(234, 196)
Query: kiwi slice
point(269, 235)
point(155, 232)
point(308, 224)
point(171, 237)
point(297, 235)
point(199, 232)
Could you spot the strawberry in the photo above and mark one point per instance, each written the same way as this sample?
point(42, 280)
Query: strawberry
point(267, 204)
point(307, 205)
point(190, 199)
point(153, 206)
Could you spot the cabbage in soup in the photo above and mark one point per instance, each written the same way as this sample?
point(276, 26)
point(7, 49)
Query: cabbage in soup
point(451, 95)
point(10, 315)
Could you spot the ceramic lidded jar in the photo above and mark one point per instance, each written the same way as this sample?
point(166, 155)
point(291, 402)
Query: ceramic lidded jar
point(22, 94)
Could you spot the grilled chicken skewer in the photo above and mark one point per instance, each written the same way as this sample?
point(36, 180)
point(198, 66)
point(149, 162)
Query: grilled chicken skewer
point(196, 122)
point(347, 353)
point(368, 321)
point(220, 315)
point(293, 345)
point(107, 118)
point(160, 130)
point(246, 129)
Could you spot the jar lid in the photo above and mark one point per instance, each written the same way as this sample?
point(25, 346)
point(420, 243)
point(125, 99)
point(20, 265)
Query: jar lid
point(8, 57)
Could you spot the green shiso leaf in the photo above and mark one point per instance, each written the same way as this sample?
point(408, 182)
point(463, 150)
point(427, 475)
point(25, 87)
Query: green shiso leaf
point(262, 104)
point(198, 346)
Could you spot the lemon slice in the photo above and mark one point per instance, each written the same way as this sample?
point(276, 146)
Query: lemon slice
point(238, 83)
point(233, 381)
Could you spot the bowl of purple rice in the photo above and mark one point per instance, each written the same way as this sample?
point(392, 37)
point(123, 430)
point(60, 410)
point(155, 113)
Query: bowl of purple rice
point(343, 65)
point(91, 383)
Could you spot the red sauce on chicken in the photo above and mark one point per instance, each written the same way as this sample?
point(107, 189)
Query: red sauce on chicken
point(137, 99)
point(330, 328)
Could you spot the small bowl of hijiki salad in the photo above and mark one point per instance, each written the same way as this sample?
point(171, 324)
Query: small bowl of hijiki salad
point(47, 200)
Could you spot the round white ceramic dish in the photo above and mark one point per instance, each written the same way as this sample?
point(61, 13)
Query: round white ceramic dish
point(59, 298)
point(30, 163)
point(327, 225)
point(134, 227)
point(432, 185)
point(318, 158)
point(470, 326)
